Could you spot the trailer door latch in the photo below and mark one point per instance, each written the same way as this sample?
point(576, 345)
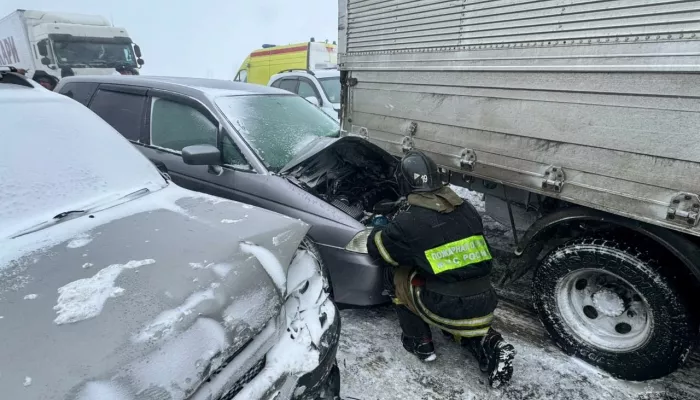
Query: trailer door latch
point(467, 159)
point(684, 209)
point(554, 178)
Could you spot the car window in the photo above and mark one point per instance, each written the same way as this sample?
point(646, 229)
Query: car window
point(79, 91)
point(175, 126)
point(331, 87)
point(232, 156)
point(306, 90)
point(277, 127)
point(124, 111)
point(289, 85)
point(276, 83)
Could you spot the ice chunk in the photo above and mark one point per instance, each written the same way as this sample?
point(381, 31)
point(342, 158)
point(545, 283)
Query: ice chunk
point(269, 262)
point(87, 265)
point(27, 381)
point(103, 390)
point(85, 298)
point(30, 297)
point(79, 241)
point(230, 221)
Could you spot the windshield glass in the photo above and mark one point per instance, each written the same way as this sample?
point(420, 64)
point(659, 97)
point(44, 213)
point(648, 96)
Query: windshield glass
point(93, 54)
point(331, 86)
point(277, 127)
point(57, 156)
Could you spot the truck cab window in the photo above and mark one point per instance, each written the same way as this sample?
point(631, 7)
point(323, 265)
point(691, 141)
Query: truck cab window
point(175, 126)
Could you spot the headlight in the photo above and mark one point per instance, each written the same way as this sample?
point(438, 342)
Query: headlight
point(358, 244)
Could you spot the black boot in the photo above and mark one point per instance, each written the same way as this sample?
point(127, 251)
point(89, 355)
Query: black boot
point(495, 357)
point(422, 348)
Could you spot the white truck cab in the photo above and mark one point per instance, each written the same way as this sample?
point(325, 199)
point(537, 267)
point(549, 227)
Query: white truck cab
point(63, 44)
point(320, 87)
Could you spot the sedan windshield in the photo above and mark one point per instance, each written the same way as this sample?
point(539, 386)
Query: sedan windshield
point(277, 127)
point(57, 157)
point(93, 54)
point(331, 86)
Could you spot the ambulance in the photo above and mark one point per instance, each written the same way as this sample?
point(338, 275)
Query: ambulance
point(261, 64)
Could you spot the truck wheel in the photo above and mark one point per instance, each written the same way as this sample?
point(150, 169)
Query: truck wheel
point(615, 307)
point(309, 245)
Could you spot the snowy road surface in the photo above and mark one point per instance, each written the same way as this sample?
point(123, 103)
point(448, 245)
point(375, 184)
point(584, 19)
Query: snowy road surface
point(374, 365)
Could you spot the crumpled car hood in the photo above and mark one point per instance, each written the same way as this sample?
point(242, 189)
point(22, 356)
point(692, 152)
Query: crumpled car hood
point(145, 300)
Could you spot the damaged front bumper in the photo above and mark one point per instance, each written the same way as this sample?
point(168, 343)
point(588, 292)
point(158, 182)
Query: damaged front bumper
point(294, 357)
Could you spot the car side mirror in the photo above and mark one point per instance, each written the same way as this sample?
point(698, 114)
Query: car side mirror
point(313, 100)
point(137, 50)
point(140, 61)
point(201, 154)
point(43, 50)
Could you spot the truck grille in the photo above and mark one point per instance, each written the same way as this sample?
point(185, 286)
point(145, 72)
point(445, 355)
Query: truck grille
point(245, 379)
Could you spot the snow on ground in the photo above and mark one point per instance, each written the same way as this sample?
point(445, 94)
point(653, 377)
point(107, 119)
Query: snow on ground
point(375, 366)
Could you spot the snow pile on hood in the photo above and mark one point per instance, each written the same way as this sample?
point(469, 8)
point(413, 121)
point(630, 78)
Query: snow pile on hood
point(297, 351)
point(269, 262)
point(85, 298)
point(79, 241)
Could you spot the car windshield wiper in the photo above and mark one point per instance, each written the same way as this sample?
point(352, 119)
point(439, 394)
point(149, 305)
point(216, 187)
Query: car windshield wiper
point(63, 216)
point(67, 213)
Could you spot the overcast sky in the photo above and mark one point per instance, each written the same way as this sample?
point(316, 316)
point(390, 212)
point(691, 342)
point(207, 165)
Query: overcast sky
point(205, 38)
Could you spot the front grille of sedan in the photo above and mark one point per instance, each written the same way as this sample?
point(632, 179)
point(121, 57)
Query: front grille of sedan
point(244, 380)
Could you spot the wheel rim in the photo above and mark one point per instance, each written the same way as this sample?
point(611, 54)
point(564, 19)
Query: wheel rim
point(604, 310)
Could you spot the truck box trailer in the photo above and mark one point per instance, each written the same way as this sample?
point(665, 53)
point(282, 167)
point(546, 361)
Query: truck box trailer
point(63, 44)
point(579, 121)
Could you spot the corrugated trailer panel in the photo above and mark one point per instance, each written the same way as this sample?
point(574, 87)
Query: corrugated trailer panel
point(607, 91)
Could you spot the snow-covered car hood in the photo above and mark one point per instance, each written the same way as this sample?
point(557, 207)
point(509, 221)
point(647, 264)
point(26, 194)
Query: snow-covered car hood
point(148, 298)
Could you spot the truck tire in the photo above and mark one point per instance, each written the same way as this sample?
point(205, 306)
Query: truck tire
point(613, 306)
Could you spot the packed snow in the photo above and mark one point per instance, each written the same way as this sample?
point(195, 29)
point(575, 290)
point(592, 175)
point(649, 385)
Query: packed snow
point(30, 297)
point(230, 221)
point(269, 262)
point(80, 241)
point(282, 237)
point(85, 298)
point(167, 322)
point(27, 381)
point(87, 265)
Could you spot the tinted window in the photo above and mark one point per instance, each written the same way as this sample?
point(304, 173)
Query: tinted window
point(121, 110)
point(331, 86)
point(276, 83)
point(306, 90)
point(289, 85)
point(232, 156)
point(175, 125)
point(79, 91)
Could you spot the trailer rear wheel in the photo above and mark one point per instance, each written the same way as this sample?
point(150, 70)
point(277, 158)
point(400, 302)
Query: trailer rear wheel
point(615, 307)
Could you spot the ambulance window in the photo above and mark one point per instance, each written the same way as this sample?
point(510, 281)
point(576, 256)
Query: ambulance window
point(242, 76)
point(289, 85)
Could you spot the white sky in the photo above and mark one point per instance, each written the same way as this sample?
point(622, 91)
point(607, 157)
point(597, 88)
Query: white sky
point(205, 38)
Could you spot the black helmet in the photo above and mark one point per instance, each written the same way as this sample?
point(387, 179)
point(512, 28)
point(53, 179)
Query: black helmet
point(418, 173)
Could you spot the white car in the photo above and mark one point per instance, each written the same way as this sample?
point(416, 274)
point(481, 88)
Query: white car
point(320, 87)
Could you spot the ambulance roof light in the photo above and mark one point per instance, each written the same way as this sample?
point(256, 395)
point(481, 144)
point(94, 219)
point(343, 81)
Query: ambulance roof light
point(267, 46)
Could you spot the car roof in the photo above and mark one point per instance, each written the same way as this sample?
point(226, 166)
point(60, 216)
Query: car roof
point(11, 93)
point(319, 73)
point(192, 86)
